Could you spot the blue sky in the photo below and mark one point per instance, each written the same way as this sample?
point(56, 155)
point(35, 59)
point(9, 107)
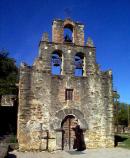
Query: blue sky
point(107, 22)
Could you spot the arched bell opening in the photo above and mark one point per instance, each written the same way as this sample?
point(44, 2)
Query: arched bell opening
point(79, 62)
point(56, 62)
point(68, 33)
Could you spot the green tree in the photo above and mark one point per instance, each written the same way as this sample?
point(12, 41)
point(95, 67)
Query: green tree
point(123, 114)
point(116, 97)
point(8, 74)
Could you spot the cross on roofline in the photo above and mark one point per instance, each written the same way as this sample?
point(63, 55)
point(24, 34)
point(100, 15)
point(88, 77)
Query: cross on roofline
point(67, 12)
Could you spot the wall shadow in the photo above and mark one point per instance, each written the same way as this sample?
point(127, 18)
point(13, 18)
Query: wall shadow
point(76, 152)
point(79, 143)
point(10, 156)
point(118, 139)
point(8, 119)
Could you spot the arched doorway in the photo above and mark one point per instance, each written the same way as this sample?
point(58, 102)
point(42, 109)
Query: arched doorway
point(68, 134)
point(64, 122)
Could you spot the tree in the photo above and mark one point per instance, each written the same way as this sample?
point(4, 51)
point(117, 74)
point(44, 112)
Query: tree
point(8, 74)
point(116, 97)
point(123, 114)
point(121, 118)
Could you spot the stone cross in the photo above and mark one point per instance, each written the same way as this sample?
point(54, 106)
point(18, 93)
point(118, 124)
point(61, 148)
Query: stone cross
point(46, 137)
point(67, 12)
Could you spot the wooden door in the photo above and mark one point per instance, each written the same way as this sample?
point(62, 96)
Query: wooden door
point(68, 134)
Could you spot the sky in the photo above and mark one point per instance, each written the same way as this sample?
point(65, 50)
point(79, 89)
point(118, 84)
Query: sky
point(107, 22)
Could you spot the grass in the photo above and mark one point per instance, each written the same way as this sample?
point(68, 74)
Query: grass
point(8, 139)
point(124, 141)
point(13, 139)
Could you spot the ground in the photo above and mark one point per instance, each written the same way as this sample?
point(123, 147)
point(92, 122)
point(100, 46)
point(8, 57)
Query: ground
point(89, 153)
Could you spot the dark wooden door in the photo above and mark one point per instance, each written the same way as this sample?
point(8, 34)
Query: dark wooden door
point(68, 134)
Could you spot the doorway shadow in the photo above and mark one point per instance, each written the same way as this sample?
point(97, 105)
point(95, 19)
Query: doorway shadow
point(76, 152)
point(79, 142)
point(118, 139)
point(11, 156)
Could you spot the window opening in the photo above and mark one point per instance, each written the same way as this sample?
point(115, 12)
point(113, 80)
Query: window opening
point(69, 94)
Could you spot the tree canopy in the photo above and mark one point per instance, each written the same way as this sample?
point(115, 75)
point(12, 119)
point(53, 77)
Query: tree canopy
point(8, 74)
point(121, 112)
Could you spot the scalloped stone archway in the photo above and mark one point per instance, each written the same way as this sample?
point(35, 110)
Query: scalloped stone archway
point(61, 114)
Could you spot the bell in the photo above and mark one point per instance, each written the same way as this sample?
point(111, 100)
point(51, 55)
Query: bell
point(56, 64)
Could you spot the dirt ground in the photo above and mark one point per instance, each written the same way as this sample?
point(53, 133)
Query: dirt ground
point(89, 153)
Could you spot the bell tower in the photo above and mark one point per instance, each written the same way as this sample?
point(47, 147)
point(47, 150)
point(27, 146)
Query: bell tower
point(77, 29)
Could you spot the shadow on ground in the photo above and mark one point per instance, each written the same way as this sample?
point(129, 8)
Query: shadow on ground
point(76, 152)
point(10, 156)
point(119, 139)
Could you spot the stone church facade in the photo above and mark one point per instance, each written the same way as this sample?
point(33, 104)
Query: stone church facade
point(51, 105)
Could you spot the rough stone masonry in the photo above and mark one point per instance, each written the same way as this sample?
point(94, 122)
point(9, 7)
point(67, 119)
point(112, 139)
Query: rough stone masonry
point(51, 104)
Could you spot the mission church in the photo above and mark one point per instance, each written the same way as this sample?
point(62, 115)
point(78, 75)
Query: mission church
point(62, 89)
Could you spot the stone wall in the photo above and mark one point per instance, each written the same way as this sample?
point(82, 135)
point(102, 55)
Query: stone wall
point(8, 100)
